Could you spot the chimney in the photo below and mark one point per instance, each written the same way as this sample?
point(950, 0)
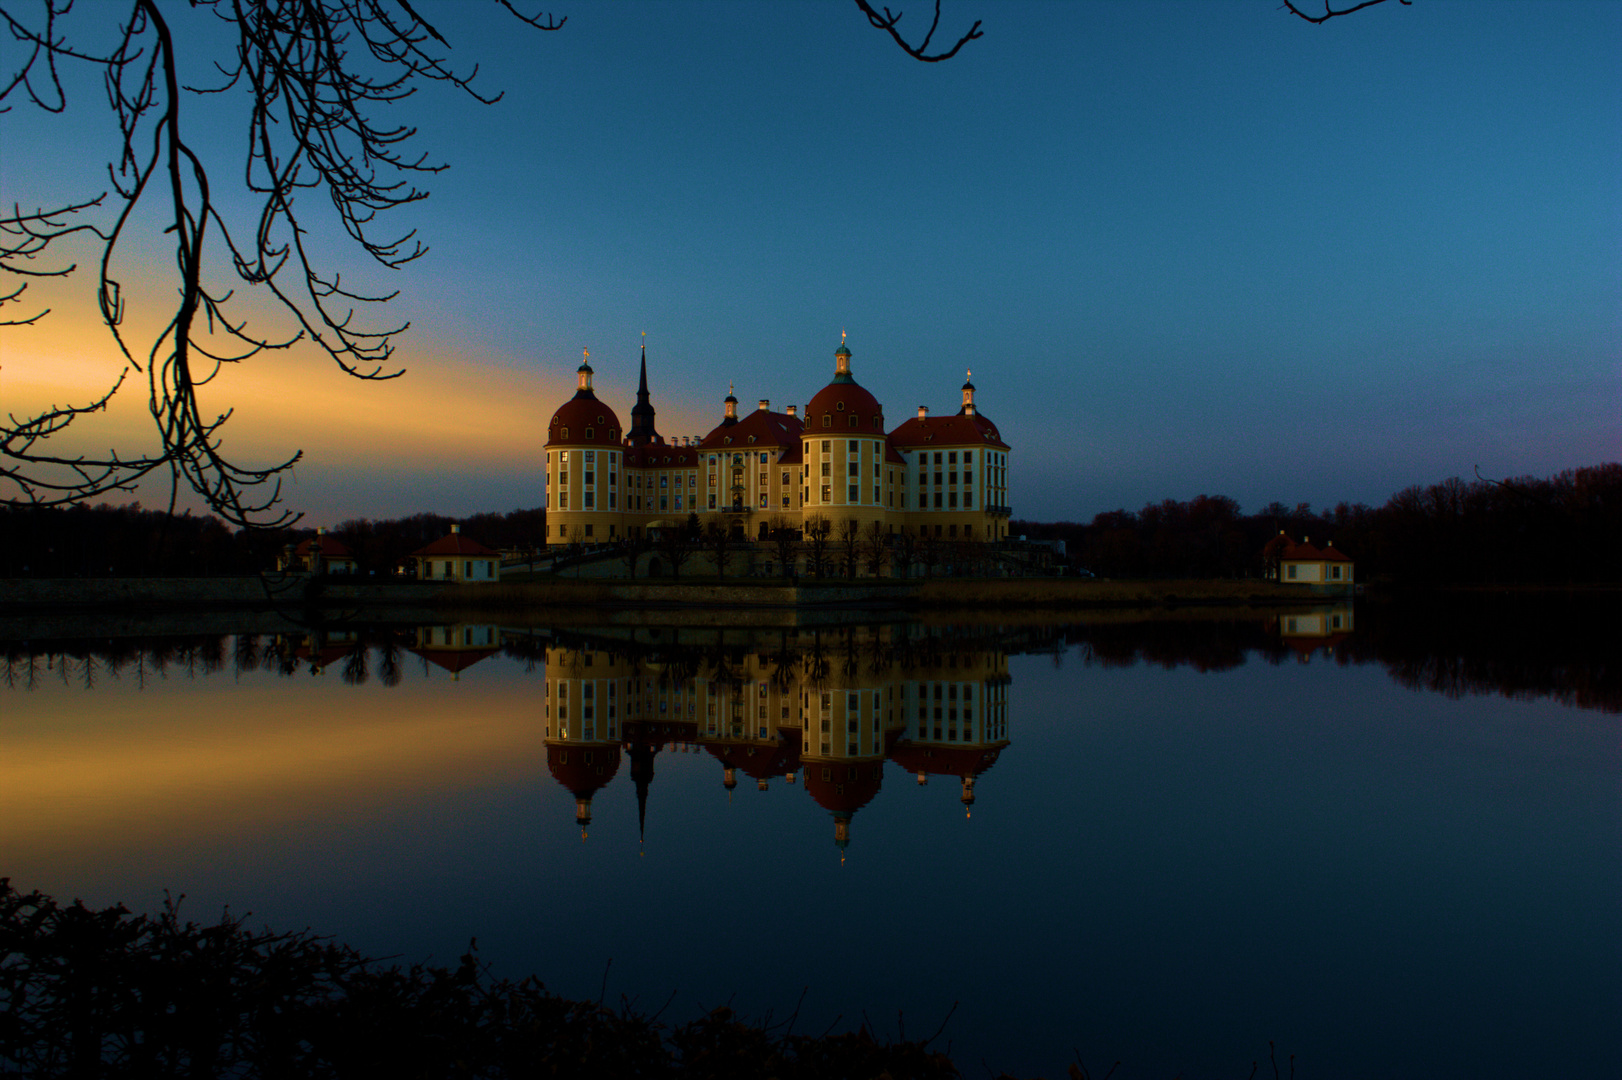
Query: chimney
point(765, 405)
point(456, 528)
point(923, 412)
point(791, 409)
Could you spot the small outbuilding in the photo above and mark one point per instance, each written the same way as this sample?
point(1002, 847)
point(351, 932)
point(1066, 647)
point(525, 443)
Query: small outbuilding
point(457, 557)
point(1291, 563)
point(320, 554)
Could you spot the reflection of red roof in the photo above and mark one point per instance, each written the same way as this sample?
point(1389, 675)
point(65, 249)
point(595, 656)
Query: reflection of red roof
point(959, 430)
point(932, 758)
point(761, 760)
point(848, 787)
point(1305, 646)
point(454, 660)
point(767, 428)
point(327, 654)
point(580, 414)
point(456, 544)
point(329, 546)
point(584, 770)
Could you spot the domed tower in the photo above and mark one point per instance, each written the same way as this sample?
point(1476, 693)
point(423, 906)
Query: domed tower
point(849, 472)
point(583, 465)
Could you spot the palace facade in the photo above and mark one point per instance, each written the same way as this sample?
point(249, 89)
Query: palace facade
point(944, 477)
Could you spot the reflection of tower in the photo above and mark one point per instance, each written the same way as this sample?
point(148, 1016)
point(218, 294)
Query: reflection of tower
point(956, 716)
point(843, 789)
point(642, 755)
point(584, 770)
point(584, 689)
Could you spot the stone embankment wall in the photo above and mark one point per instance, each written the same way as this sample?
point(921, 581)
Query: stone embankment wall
point(575, 596)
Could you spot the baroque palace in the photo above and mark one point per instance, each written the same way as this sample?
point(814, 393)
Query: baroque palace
point(835, 468)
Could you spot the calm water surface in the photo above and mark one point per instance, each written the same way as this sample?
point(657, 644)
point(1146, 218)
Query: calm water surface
point(1389, 845)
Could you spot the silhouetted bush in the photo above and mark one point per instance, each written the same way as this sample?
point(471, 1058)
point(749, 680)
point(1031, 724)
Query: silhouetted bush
point(109, 993)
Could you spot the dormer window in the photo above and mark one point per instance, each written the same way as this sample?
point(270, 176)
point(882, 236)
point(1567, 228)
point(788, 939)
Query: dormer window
point(751, 440)
point(827, 421)
point(877, 420)
point(588, 433)
point(727, 440)
point(599, 419)
point(854, 419)
point(565, 434)
point(840, 405)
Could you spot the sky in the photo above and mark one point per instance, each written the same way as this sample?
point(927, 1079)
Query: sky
point(1185, 248)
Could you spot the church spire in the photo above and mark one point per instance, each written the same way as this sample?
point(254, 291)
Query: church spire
point(642, 431)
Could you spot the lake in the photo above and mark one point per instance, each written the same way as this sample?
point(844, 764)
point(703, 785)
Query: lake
point(1385, 837)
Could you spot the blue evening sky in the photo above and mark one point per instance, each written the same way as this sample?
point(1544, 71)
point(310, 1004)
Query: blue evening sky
point(1185, 247)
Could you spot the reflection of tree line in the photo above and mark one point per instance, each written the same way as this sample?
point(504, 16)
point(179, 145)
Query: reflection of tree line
point(1563, 648)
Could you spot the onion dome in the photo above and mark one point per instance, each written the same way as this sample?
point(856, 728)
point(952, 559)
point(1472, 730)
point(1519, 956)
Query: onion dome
point(583, 420)
point(844, 405)
point(844, 787)
point(584, 770)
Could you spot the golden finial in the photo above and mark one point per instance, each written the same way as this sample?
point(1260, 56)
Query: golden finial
point(841, 337)
point(968, 374)
point(588, 354)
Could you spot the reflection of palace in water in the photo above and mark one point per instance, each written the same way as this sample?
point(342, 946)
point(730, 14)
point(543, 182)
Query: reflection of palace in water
point(825, 710)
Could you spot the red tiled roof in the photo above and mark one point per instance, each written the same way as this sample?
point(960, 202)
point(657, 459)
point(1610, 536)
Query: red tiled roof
point(767, 428)
point(329, 546)
point(840, 401)
point(660, 456)
point(456, 544)
point(1288, 550)
point(959, 430)
point(580, 414)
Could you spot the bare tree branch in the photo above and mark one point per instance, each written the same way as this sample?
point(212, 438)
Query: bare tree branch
point(315, 74)
point(888, 21)
point(1331, 13)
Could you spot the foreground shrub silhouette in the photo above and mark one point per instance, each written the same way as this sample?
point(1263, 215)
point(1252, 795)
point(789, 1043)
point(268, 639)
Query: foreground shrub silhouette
point(110, 993)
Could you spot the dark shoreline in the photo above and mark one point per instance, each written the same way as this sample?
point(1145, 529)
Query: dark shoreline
point(280, 592)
